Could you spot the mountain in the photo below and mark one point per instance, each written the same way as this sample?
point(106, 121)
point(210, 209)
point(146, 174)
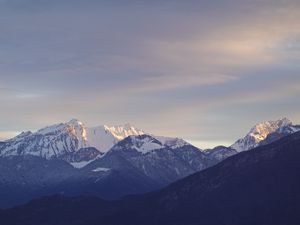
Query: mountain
point(74, 142)
point(135, 164)
point(220, 153)
point(64, 138)
point(255, 187)
point(23, 178)
point(264, 133)
point(155, 159)
point(261, 134)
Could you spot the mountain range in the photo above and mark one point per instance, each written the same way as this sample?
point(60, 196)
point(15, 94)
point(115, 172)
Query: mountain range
point(264, 133)
point(109, 161)
point(260, 134)
point(60, 139)
point(254, 187)
point(72, 140)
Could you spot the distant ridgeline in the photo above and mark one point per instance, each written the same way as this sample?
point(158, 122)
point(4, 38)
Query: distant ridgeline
point(109, 161)
point(260, 186)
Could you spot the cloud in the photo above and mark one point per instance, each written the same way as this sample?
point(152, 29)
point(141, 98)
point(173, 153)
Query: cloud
point(178, 81)
point(171, 67)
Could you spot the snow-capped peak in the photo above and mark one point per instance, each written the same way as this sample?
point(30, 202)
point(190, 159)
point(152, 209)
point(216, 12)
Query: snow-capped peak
point(142, 143)
point(145, 143)
point(261, 130)
point(122, 131)
point(105, 137)
point(259, 133)
point(24, 134)
point(63, 138)
point(75, 122)
point(172, 142)
point(75, 129)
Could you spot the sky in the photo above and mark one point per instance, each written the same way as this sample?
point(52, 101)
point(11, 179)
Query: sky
point(205, 71)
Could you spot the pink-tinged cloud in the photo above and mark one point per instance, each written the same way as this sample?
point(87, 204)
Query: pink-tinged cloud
point(202, 70)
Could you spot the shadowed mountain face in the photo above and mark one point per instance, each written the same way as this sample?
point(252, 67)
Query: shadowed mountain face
point(261, 186)
point(162, 165)
point(107, 162)
point(137, 164)
point(220, 153)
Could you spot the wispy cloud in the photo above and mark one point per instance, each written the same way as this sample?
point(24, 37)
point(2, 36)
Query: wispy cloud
point(173, 67)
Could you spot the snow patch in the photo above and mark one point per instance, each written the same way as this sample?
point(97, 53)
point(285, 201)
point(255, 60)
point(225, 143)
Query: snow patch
point(145, 144)
point(79, 165)
point(172, 142)
point(101, 169)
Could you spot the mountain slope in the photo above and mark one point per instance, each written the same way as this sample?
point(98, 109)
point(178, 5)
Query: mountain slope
point(137, 164)
point(251, 188)
point(23, 178)
point(154, 159)
point(128, 163)
point(60, 139)
point(76, 143)
point(220, 153)
point(260, 132)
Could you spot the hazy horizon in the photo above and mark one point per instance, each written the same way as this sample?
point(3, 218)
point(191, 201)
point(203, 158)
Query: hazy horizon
point(200, 144)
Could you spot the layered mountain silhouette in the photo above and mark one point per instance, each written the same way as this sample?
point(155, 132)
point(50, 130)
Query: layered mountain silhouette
point(134, 165)
point(108, 161)
point(260, 186)
point(261, 134)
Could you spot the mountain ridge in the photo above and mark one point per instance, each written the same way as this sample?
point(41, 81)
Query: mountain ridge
point(136, 164)
point(260, 131)
point(72, 141)
point(62, 139)
point(251, 188)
